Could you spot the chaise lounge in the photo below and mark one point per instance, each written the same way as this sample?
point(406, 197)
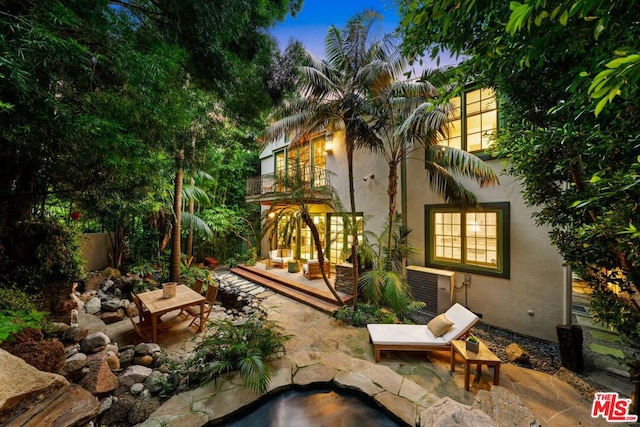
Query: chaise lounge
point(437, 335)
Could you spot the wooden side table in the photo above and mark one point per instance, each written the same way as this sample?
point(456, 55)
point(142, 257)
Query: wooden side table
point(483, 357)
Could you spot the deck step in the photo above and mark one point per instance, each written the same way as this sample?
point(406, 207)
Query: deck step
point(321, 300)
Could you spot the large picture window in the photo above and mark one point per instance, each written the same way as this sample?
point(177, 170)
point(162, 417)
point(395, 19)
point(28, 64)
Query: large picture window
point(473, 240)
point(472, 121)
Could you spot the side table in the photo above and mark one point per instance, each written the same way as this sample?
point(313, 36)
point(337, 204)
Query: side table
point(484, 356)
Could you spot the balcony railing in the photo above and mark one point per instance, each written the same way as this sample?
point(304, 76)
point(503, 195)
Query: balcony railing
point(313, 177)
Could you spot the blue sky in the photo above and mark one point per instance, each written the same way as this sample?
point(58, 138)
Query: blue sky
point(311, 24)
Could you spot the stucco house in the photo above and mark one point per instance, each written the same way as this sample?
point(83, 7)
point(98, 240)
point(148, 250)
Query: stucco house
point(494, 260)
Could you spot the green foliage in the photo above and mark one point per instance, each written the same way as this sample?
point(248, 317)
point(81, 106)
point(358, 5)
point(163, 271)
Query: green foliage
point(388, 289)
point(244, 347)
point(17, 313)
point(363, 313)
point(38, 254)
point(14, 322)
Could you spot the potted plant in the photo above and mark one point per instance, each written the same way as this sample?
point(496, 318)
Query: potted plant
point(473, 344)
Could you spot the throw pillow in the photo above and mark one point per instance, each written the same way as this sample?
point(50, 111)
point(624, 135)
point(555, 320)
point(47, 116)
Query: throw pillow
point(439, 325)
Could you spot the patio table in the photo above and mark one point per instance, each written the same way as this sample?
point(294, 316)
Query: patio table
point(157, 305)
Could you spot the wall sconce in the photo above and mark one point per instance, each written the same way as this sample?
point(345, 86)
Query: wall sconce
point(328, 143)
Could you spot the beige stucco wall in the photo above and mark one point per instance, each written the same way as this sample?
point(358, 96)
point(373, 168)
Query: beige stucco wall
point(95, 249)
point(535, 282)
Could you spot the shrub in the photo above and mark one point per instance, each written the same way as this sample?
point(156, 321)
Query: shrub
point(17, 313)
point(364, 314)
point(232, 347)
point(38, 254)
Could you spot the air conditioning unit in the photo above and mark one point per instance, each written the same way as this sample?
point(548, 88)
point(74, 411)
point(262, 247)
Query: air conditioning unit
point(432, 286)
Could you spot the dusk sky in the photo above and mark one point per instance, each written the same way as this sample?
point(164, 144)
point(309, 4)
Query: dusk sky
point(311, 24)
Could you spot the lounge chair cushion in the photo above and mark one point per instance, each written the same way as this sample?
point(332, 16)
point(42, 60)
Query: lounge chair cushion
point(439, 325)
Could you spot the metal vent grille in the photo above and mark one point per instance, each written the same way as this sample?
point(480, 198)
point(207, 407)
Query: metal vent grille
point(424, 287)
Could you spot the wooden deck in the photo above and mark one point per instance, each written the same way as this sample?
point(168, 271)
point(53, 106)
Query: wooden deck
point(320, 299)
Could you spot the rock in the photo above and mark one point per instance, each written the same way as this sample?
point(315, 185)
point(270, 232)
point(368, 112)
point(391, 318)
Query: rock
point(112, 360)
point(99, 380)
point(58, 329)
point(111, 272)
point(94, 342)
point(135, 374)
point(447, 412)
point(118, 414)
point(504, 407)
point(112, 316)
point(92, 306)
point(147, 348)
point(156, 382)
point(75, 334)
point(113, 347)
point(27, 335)
point(515, 353)
point(106, 404)
point(142, 410)
point(46, 356)
point(70, 350)
point(111, 305)
point(136, 389)
point(73, 366)
point(143, 360)
point(69, 406)
point(21, 382)
point(126, 358)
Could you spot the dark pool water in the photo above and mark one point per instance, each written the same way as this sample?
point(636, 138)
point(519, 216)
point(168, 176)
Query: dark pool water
point(313, 408)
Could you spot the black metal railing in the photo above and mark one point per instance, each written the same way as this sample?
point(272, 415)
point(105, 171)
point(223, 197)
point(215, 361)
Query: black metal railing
point(315, 178)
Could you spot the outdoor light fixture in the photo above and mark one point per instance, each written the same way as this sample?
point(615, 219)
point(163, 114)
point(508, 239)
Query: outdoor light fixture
point(328, 143)
point(272, 215)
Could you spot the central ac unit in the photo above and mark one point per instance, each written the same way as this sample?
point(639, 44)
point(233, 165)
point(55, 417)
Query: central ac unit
point(433, 287)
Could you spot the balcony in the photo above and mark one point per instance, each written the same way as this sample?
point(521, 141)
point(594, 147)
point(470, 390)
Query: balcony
point(270, 188)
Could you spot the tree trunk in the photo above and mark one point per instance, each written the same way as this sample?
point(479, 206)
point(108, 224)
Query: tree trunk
point(316, 240)
point(392, 192)
point(192, 204)
point(174, 263)
point(354, 230)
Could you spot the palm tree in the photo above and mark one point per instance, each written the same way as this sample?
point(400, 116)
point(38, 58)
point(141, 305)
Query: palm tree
point(407, 116)
point(333, 98)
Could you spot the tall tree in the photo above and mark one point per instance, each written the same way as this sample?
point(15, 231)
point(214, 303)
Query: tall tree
point(578, 168)
point(332, 98)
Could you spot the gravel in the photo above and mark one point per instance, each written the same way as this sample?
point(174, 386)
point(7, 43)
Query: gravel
point(544, 356)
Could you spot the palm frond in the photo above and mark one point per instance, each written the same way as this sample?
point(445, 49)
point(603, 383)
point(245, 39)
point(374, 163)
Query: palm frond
point(255, 373)
point(463, 163)
point(447, 187)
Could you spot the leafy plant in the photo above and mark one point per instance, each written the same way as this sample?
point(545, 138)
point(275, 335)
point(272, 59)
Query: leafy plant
point(363, 313)
point(232, 347)
point(14, 322)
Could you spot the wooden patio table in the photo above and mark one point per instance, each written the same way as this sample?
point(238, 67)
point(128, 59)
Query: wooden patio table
point(483, 357)
point(157, 305)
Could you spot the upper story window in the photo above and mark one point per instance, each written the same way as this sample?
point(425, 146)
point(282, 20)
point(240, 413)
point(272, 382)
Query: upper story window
point(473, 120)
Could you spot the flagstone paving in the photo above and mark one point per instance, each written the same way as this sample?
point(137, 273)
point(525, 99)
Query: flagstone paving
point(405, 383)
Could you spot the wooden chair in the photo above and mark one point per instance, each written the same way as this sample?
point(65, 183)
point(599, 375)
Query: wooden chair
point(143, 329)
point(197, 286)
point(311, 270)
point(210, 299)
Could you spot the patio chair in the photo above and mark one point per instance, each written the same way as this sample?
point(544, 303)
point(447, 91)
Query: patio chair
point(311, 270)
point(197, 286)
point(210, 299)
point(143, 329)
point(456, 322)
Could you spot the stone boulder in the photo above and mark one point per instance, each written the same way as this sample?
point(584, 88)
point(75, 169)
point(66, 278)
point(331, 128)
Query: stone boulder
point(112, 316)
point(515, 353)
point(21, 383)
point(135, 374)
point(95, 342)
point(47, 355)
point(75, 334)
point(93, 306)
point(447, 412)
point(74, 366)
point(99, 380)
